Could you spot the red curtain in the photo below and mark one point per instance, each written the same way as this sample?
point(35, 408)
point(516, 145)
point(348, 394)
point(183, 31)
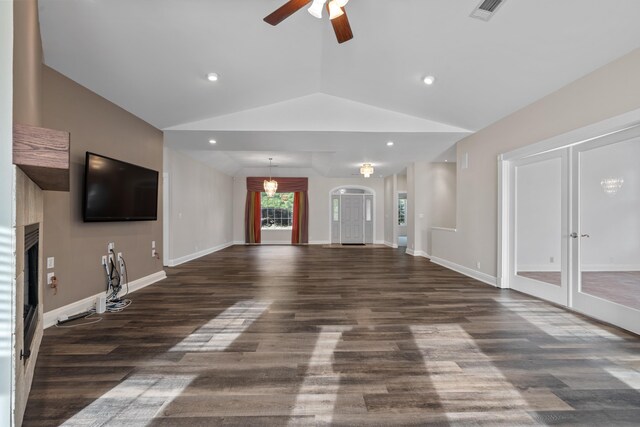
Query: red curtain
point(252, 218)
point(300, 231)
point(253, 211)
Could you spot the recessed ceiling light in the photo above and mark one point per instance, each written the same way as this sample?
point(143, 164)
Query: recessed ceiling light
point(212, 141)
point(446, 161)
point(429, 80)
point(212, 77)
point(390, 144)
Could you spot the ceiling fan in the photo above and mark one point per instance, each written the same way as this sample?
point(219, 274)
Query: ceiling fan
point(337, 15)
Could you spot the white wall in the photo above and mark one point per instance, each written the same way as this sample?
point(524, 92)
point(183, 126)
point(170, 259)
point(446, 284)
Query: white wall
point(608, 92)
point(612, 221)
point(539, 216)
point(7, 238)
point(200, 208)
point(430, 202)
point(319, 209)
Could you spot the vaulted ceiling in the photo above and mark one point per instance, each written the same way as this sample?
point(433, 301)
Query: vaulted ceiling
point(293, 89)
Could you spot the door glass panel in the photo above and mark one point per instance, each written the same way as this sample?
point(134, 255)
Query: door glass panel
point(336, 210)
point(368, 209)
point(539, 221)
point(610, 223)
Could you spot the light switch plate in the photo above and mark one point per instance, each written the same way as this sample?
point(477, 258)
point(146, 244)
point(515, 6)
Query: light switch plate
point(49, 277)
point(51, 262)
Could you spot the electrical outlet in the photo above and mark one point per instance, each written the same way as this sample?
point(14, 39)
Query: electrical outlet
point(110, 247)
point(119, 256)
point(50, 277)
point(104, 260)
point(51, 262)
point(552, 260)
point(153, 253)
point(478, 265)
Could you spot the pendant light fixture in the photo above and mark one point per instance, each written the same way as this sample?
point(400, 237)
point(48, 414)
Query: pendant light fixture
point(366, 170)
point(271, 186)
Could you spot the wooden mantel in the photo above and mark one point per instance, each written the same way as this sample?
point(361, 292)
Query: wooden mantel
point(43, 155)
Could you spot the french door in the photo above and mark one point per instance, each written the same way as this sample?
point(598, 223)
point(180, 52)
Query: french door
point(574, 227)
point(606, 235)
point(539, 203)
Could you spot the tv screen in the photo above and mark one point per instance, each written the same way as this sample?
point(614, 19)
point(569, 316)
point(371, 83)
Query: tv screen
point(118, 191)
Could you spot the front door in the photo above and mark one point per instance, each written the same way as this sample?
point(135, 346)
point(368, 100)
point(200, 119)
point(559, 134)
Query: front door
point(352, 221)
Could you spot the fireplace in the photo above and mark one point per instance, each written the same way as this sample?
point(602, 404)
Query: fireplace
point(31, 285)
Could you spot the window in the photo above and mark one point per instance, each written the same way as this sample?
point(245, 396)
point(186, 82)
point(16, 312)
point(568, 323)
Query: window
point(277, 211)
point(336, 209)
point(402, 211)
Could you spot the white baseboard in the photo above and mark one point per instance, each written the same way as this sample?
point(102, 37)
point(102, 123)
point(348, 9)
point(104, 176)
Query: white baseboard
point(610, 267)
point(191, 257)
point(413, 252)
point(391, 245)
point(474, 274)
point(587, 267)
point(50, 318)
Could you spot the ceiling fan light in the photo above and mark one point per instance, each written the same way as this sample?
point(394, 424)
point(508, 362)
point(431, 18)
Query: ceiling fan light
point(335, 11)
point(316, 8)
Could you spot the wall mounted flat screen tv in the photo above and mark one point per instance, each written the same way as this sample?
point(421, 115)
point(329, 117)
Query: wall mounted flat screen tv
point(118, 191)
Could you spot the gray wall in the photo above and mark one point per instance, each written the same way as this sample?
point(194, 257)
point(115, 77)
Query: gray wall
point(200, 208)
point(99, 126)
point(610, 91)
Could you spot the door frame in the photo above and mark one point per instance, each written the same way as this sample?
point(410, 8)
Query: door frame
point(371, 191)
point(615, 128)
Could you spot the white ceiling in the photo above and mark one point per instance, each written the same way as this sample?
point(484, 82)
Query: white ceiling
point(151, 58)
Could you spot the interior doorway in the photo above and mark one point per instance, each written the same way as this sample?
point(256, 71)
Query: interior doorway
point(352, 216)
point(402, 219)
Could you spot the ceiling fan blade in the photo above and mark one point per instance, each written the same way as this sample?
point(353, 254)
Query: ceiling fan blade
point(285, 11)
point(342, 27)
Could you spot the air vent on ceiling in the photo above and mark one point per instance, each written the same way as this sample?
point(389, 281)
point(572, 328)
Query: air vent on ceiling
point(486, 9)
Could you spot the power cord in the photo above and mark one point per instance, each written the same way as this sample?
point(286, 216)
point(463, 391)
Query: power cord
point(114, 303)
point(96, 320)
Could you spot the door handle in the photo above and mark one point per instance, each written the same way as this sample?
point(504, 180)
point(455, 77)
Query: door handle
point(575, 235)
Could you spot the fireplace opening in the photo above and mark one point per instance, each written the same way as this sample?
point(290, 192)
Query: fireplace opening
point(31, 286)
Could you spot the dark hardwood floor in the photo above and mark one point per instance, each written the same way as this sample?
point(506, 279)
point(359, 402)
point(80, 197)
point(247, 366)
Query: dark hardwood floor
point(284, 335)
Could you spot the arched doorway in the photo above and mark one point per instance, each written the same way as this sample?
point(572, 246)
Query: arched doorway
point(352, 215)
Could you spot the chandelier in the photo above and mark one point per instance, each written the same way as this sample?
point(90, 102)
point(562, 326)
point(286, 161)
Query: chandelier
point(612, 185)
point(271, 186)
point(366, 170)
